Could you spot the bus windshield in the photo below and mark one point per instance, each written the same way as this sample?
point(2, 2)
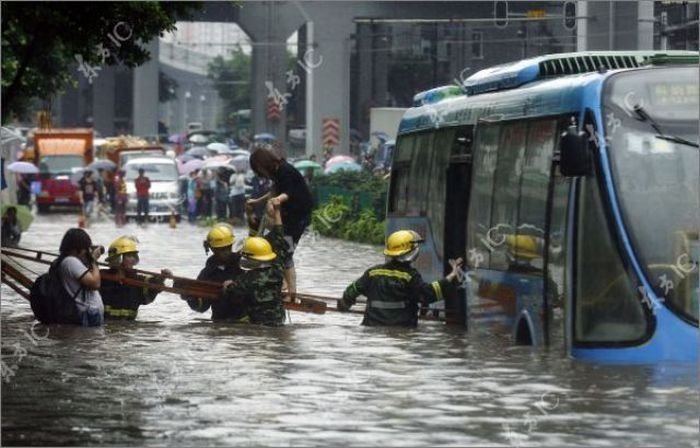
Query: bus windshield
point(651, 126)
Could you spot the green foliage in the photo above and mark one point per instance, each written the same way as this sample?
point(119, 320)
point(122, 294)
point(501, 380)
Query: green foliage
point(41, 42)
point(357, 182)
point(232, 81)
point(336, 219)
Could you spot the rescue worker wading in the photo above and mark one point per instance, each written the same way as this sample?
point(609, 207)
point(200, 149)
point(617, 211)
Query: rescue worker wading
point(394, 289)
point(223, 265)
point(122, 301)
point(262, 260)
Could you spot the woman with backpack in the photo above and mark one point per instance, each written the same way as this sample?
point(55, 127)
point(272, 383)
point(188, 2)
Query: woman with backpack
point(80, 276)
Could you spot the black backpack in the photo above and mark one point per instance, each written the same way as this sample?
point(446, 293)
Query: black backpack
point(50, 301)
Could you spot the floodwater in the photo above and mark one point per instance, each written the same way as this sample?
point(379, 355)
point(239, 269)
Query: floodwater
point(173, 378)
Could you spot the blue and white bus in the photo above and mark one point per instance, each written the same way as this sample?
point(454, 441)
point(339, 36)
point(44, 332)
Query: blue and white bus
point(569, 184)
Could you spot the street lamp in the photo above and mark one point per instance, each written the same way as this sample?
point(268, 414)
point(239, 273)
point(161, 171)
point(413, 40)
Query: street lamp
point(187, 118)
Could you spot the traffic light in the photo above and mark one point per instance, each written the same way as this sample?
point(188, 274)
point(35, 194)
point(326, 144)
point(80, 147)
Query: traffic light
point(500, 13)
point(569, 15)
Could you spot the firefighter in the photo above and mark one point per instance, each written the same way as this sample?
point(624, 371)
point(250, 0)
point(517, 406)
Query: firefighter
point(263, 262)
point(223, 265)
point(395, 288)
point(122, 301)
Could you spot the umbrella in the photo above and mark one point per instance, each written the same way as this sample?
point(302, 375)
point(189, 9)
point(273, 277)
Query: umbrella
point(105, 164)
point(188, 167)
point(240, 152)
point(182, 158)
point(218, 147)
point(382, 136)
point(197, 151)
point(264, 136)
point(24, 215)
point(337, 159)
point(176, 138)
point(241, 162)
point(306, 164)
point(199, 138)
point(344, 166)
point(23, 167)
point(216, 162)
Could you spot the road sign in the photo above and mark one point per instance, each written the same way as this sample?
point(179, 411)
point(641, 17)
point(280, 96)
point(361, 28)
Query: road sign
point(330, 131)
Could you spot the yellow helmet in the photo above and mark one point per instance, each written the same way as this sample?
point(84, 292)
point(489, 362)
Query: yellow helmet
point(257, 248)
point(220, 236)
point(525, 246)
point(120, 246)
point(402, 242)
point(123, 245)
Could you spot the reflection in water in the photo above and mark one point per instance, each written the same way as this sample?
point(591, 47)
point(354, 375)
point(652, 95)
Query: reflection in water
point(175, 378)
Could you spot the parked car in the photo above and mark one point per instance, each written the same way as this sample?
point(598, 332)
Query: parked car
point(164, 197)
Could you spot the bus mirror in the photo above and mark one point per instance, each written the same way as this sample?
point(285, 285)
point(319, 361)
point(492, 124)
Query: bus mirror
point(573, 153)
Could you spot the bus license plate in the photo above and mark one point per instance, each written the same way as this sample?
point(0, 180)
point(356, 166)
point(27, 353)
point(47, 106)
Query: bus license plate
point(62, 199)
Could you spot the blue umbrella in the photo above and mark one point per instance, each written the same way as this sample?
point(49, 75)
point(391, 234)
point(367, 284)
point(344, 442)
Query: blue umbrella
point(264, 136)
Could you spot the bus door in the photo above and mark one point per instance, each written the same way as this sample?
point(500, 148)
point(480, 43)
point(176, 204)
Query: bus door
point(458, 180)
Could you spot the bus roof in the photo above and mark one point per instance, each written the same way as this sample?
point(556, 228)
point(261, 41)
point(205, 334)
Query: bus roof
point(543, 85)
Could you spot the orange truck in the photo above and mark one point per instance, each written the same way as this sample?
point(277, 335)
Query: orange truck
point(120, 149)
point(61, 154)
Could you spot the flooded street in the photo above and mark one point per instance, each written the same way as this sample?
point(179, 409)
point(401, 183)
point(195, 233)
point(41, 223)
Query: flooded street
point(174, 378)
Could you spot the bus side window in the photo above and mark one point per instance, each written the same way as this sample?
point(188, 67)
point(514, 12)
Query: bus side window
point(438, 185)
point(479, 215)
point(420, 174)
point(400, 174)
point(527, 254)
point(506, 191)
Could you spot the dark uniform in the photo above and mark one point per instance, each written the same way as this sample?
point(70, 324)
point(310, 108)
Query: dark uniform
point(261, 289)
point(122, 301)
point(217, 271)
point(393, 291)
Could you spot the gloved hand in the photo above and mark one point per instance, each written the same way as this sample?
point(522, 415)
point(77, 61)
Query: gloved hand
point(340, 305)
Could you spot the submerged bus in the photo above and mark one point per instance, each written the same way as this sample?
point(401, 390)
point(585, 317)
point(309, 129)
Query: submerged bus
point(569, 185)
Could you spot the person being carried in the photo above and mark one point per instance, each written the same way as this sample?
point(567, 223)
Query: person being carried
point(223, 265)
point(262, 260)
point(293, 196)
point(394, 289)
point(122, 301)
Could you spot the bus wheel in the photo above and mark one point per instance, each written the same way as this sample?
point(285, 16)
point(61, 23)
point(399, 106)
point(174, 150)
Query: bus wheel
point(42, 208)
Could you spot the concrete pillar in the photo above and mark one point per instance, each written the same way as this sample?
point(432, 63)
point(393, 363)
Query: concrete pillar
point(103, 102)
point(145, 110)
point(381, 64)
point(364, 71)
point(615, 25)
point(645, 25)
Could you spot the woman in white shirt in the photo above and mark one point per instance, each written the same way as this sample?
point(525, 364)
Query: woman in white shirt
point(81, 275)
point(237, 195)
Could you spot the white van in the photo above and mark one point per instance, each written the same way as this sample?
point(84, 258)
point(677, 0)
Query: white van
point(164, 197)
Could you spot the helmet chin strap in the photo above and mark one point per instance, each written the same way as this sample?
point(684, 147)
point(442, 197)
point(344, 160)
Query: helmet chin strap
point(409, 257)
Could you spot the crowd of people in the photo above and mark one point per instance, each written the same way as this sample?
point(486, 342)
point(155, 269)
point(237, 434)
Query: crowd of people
point(252, 278)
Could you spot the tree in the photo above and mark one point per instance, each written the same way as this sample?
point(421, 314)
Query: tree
point(231, 78)
point(42, 40)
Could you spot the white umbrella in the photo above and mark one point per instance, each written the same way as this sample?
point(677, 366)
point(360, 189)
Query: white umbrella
point(218, 147)
point(216, 162)
point(199, 138)
point(23, 168)
point(241, 162)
